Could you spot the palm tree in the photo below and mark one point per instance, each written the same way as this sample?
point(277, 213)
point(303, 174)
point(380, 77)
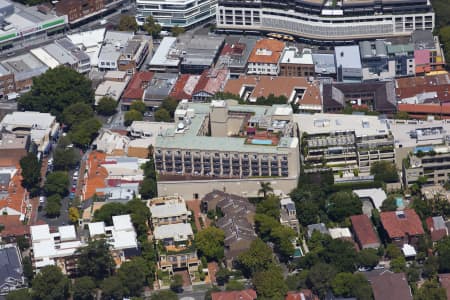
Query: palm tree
point(265, 188)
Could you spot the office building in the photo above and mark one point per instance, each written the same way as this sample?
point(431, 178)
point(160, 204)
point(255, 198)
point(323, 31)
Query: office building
point(348, 63)
point(233, 143)
point(327, 20)
point(78, 11)
point(296, 63)
point(376, 64)
point(344, 143)
point(403, 55)
point(171, 13)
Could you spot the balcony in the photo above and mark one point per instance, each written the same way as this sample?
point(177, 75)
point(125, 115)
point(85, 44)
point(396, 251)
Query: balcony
point(187, 157)
point(188, 163)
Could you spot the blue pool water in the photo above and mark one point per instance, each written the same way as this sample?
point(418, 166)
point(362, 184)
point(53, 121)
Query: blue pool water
point(261, 142)
point(298, 252)
point(399, 202)
point(423, 149)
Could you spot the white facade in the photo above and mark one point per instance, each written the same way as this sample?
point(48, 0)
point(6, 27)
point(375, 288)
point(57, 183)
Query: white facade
point(321, 26)
point(257, 68)
point(170, 13)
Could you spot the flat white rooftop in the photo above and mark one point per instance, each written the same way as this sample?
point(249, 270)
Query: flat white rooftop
point(177, 232)
point(168, 210)
point(293, 56)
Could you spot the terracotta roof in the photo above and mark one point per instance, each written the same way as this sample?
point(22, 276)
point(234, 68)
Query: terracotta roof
point(424, 108)
point(278, 86)
point(401, 223)
point(302, 295)
point(391, 286)
point(411, 86)
point(211, 81)
point(13, 226)
point(363, 229)
point(444, 280)
point(248, 294)
point(96, 174)
point(137, 85)
point(184, 86)
point(16, 195)
point(273, 47)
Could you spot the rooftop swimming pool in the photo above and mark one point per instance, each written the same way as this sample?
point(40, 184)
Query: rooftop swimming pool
point(399, 202)
point(261, 142)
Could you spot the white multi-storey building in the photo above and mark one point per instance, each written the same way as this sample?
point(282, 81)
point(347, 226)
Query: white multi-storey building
point(170, 13)
point(327, 19)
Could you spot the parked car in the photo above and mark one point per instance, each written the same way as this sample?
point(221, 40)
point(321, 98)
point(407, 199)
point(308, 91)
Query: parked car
point(72, 196)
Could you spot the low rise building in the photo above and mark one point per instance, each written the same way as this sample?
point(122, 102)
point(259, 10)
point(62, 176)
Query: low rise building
point(304, 294)
point(167, 57)
point(344, 143)
point(210, 82)
point(320, 227)
point(348, 63)
point(265, 57)
point(90, 41)
point(112, 86)
point(112, 143)
point(14, 198)
point(403, 55)
point(200, 53)
point(248, 294)
point(402, 227)
point(437, 228)
point(41, 127)
point(136, 88)
point(14, 147)
point(80, 11)
point(296, 63)
point(11, 269)
point(324, 65)
point(390, 286)
point(428, 54)
point(376, 196)
point(82, 60)
point(159, 88)
point(54, 248)
point(364, 232)
point(235, 54)
point(423, 89)
point(219, 144)
point(7, 84)
point(288, 214)
point(340, 233)
point(168, 210)
point(376, 64)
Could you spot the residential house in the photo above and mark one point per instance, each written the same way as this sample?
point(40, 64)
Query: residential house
point(364, 233)
point(168, 210)
point(302, 295)
point(265, 57)
point(402, 227)
point(320, 227)
point(13, 227)
point(136, 87)
point(340, 233)
point(210, 82)
point(391, 286)
point(248, 294)
point(437, 227)
point(11, 269)
point(376, 196)
point(288, 214)
point(14, 198)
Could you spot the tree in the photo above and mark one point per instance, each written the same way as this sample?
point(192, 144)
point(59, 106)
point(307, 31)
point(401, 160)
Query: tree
point(28, 269)
point(352, 285)
point(83, 133)
point(106, 106)
point(105, 213)
point(368, 258)
point(57, 183)
point(389, 204)
point(148, 188)
point(83, 288)
point(392, 251)
point(162, 115)
point(430, 267)
point(53, 206)
point(265, 188)
point(164, 295)
point(210, 243)
point(320, 278)
point(176, 284)
point(57, 89)
point(31, 172)
point(234, 285)
point(342, 205)
point(22, 294)
point(139, 106)
point(341, 254)
point(270, 206)
point(307, 212)
point(76, 113)
point(170, 104)
point(282, 236)
point(95, 260)
point(127, 23)
point(74, 215)
point(398, 264)
point(402, 115)
point(50, 284)
point(152, 27)
point(264, 225)
point(270, 284)
point(443, 248)
point(384, 171)
point(112, 288)
point(176, 30)
point(257, 258)
point(431, 289)
point(140, 215)
point(222, 276)
point(65, 159)
point(297, 281)
point(133, 275)
point(131, 116)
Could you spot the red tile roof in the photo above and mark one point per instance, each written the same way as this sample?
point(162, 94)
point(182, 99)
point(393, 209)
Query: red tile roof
point(431, 109)
point(411, 86)
point(444, 280)
point(136, 87)
point(248, 294)
point(302, 295)
point(398, 227)
point(184, 86)
point(13, 226)
point(391, 286)
point(275, 47)
point(211, 81)
point(363, 229)
point(96, 176)
point(17, 195)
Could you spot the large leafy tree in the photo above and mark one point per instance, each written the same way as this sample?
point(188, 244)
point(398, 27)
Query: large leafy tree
point(352, 285)
point(132, 115)
point(76, 113)
point(152, 27)
point(384, 171)
point(282, 237)
point(257, 258)
point(430, 289)
point(320, 278)
point(107, 211)
point(443, 248)
point(22, 294)
point(343, 204)
point(127, 23)
point(210, 243)
point(164, 295)
point(83, 288)
point(270, 284)
point(170, 104)
point(162, 115)
point(65, 159)
point(148, 188)
point(134, 274)
point(53, 206)
point(341, 254)
point(55, 90)
point(95, 260)
point(270, 206)
point(83, 133)
point(50, 284)
point(57, 183)
point(106, 106)
point(112, 288)
point(31, 172)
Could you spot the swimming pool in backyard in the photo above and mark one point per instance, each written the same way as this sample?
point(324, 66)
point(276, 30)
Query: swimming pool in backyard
point(261, 142)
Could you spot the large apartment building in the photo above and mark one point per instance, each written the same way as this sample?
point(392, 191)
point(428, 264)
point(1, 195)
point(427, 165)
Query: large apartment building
point(327, 19)
point(170, 13)
point(225, 146)
point(344, 143)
